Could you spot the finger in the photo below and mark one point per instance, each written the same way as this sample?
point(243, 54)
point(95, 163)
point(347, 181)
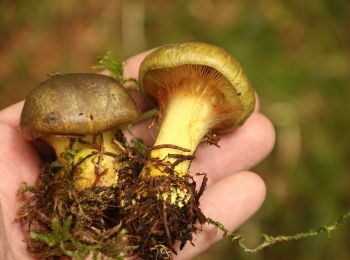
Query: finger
point(19, 163)
point(131, 69)
point(132, 64)
point(5, 250)
point(231, 202)
point(11, 114)
point(239, 150)
point(142, 130)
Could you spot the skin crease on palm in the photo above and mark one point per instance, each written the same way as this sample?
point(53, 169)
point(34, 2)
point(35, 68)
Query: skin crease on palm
point(233, 194)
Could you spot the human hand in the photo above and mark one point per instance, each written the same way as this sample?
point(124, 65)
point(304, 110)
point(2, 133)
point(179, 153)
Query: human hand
point(232, 196)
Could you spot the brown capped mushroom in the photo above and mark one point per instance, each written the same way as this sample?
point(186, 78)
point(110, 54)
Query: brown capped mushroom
point(87, 108)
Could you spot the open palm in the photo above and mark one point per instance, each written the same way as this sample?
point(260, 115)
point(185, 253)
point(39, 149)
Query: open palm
point(232, 196)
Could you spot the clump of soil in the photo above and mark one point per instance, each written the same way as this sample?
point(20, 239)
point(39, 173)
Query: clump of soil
point(63, 221)
point(157, 216)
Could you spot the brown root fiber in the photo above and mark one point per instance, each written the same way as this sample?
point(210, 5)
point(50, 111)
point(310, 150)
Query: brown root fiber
point(153, 221)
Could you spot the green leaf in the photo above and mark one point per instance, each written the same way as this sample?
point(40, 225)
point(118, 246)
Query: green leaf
point(55, 165)
point(59, 234)
point(139, 146)
point(25, 187)
point(113, 65)
point(82, 249)
point(62, 239)
point(69, 155)
point(66, 228)
point(116, 68)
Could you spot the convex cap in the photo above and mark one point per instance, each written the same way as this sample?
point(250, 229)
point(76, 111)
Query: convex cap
point(222, 72)
point(76, 104)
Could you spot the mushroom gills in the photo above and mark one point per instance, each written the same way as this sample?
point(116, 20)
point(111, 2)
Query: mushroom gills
point(192, 103)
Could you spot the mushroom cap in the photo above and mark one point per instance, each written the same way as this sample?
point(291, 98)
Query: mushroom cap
point(238, 92)
point(76, 104)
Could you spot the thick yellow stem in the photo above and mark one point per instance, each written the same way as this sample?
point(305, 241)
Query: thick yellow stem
point(84, 174)
point(186, 121)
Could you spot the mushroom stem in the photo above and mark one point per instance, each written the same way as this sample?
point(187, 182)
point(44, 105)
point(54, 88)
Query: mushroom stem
point(186, 122)
point(88, 169)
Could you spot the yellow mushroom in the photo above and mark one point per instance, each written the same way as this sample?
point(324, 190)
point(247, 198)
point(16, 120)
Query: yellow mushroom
point(199, 88)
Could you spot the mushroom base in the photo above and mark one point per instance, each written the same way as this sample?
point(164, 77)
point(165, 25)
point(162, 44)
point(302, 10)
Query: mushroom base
point(153, 221)
point(92, 160)
point(61, 221)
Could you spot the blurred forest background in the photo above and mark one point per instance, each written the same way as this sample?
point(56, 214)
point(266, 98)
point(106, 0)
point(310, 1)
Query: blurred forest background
point(296, 53)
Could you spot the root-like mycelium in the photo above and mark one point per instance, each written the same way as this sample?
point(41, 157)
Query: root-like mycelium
point(199, 89)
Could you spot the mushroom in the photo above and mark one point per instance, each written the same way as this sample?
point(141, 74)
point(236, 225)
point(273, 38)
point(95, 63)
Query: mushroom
point(81, 113)
point(200, 88)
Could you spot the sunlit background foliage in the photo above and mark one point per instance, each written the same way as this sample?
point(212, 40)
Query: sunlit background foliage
point(296, 53)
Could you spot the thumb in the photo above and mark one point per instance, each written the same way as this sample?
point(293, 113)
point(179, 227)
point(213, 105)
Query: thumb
point(5, 250)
